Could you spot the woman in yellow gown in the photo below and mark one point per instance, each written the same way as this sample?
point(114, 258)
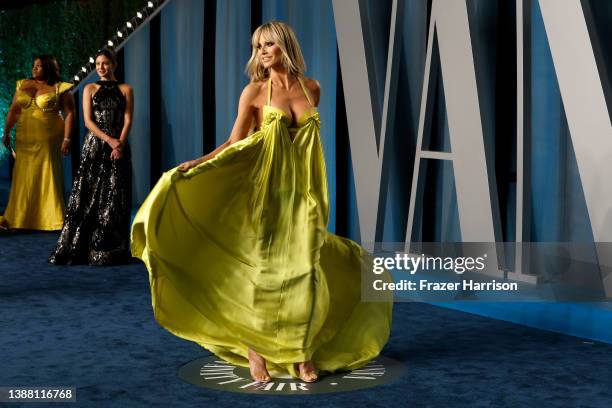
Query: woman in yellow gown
point(36, 200)
point(239, 256)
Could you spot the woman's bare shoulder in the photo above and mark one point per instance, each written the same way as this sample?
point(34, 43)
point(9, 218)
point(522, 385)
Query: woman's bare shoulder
point(314, 88)
point(91, 87)
point(254, 88)
point(125, 87)
point(252, 91)
point(312, 84)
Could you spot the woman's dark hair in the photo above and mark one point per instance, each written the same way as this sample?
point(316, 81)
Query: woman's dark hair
point(51, 69)
point(108, 53)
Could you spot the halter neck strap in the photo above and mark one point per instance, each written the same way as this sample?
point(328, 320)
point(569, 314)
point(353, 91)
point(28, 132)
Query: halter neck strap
point(305, 91)
point(269, 90)
point(301, 84)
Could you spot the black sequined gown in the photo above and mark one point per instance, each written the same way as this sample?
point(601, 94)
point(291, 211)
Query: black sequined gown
point(96, 229)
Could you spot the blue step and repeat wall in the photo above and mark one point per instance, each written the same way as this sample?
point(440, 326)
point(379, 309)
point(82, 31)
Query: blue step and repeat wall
point(187, 70)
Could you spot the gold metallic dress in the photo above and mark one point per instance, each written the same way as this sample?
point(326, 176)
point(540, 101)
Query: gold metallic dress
point(36, 200)
point(239, 255)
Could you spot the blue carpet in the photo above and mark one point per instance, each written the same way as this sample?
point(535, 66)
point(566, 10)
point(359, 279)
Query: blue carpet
point(92, 327)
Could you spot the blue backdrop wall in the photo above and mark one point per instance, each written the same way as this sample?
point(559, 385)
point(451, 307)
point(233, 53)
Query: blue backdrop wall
point(187, 69)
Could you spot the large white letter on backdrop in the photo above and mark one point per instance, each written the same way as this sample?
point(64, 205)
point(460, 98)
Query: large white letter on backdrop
point(587, 115)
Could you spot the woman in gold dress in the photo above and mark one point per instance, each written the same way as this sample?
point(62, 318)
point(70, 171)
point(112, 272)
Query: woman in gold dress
point(36, 200)
point(236, 242)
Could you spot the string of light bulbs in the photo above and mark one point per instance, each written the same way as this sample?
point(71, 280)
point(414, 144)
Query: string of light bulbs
point(122, 34)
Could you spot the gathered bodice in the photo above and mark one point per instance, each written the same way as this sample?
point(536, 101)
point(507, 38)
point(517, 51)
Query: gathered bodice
point(108, 108)
point(46, 102)
point(272, 113)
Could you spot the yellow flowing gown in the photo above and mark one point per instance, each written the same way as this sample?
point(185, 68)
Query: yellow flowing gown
point(239, 255)
point(36, 200)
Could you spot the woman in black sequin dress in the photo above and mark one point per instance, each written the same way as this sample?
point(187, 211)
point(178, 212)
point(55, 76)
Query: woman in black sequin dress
point(97, 224)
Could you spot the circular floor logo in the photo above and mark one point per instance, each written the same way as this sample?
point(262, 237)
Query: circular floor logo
point(210, 372)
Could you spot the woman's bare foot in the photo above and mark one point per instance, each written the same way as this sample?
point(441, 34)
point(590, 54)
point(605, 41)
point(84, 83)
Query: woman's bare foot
point(257, 365)
point(307, 371)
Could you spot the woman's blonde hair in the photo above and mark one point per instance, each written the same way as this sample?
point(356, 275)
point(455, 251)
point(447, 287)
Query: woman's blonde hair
point(283, 36)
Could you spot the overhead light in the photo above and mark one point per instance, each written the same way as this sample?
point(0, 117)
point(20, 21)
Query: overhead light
point(139, 14)
point(119, 34)
point(110, 43)
point(83, 69)
point(128, 24)
point(150, 4)
point(76, 77)
point(91, 60)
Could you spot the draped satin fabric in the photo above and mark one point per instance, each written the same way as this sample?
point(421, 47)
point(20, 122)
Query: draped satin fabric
point(36, 200)
point(239, 255)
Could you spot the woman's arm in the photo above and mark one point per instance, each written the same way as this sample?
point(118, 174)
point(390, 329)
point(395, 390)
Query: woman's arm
point(67, 106)
point(127, 91)
point(90, 124)
point(11, 119)
point(242, 125)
